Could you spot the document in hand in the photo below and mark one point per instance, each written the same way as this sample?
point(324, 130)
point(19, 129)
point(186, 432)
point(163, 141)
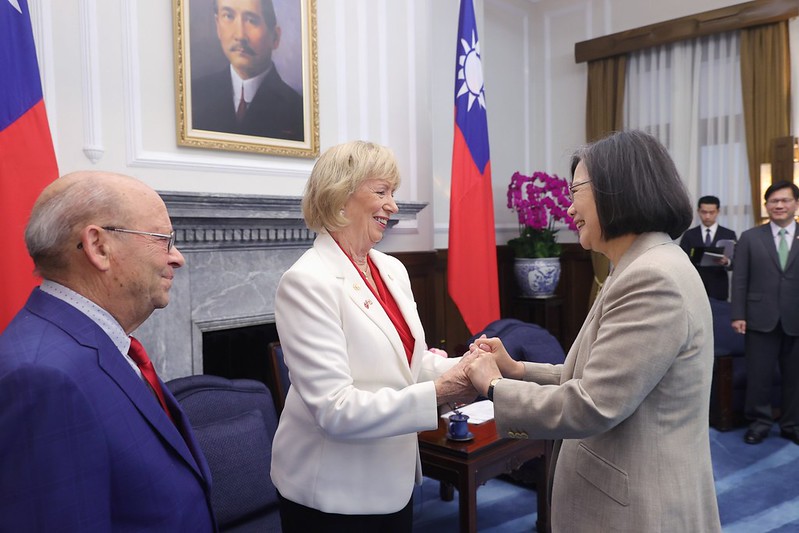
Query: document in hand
point(711, 258)
point(711, 255)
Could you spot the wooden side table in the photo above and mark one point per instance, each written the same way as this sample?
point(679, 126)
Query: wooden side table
point(469, 464)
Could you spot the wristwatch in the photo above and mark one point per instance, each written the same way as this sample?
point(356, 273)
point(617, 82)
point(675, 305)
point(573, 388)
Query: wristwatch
point(490, 393)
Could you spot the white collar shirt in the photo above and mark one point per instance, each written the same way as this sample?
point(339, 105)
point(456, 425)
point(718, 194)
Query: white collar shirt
point(250, 86)
point(790, 233)
point(712, 229)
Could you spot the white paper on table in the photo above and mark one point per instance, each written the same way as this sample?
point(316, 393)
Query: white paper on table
point(478, 412)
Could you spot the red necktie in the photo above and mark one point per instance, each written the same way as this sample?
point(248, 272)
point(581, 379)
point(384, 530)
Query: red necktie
point(242, 109)
point(139, 356)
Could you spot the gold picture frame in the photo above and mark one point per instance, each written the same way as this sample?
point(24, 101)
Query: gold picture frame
point(204, 96)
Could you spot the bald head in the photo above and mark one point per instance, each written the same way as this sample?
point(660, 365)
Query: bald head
point(70, 203)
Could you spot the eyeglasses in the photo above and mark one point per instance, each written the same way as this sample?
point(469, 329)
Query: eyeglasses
point(777, 201)
point(573, 187)
point(169, 238)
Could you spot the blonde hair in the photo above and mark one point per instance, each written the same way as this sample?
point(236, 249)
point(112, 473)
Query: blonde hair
point(337, 175)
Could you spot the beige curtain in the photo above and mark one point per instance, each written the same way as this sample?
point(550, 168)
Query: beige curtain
point(766, 84)
point(603, 115)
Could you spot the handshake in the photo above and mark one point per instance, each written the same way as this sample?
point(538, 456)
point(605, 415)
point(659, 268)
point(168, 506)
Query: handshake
point(486, 360)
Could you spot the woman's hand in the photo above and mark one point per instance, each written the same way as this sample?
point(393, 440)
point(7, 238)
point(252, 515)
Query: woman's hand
point(506, 364)
point(482, 370)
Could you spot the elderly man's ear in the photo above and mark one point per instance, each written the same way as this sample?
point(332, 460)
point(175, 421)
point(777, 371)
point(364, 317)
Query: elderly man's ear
point(94, 245)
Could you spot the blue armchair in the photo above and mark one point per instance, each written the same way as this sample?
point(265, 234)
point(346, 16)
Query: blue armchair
point(234, 422)
point(525, 341)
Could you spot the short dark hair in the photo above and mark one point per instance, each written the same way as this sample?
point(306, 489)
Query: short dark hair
point(636, 186)
point(708, 200)
point(783, 184)
point(267, 11)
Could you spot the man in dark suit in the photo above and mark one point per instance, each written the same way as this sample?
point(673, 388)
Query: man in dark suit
point(707, 235)
point(90, 439)
point(250, 97)
point(765, 292)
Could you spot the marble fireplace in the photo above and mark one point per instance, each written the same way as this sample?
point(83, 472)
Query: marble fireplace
point(236, 248)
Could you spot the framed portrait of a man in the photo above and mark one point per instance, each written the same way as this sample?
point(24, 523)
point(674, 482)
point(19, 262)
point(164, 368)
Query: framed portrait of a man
point(246, 76)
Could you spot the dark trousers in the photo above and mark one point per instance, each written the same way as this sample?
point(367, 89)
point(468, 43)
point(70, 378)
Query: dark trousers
point(296, 518)
point(764, 352)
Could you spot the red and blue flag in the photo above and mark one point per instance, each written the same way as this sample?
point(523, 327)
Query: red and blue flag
point(472, 255)
point(27, 159)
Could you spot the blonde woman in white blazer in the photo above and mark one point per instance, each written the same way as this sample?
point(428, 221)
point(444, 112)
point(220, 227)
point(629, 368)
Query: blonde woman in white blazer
point(628, 408)
point(345, 456)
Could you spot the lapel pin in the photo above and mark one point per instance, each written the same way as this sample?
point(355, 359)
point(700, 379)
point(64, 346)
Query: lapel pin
point(367, 303)
point(356, 286)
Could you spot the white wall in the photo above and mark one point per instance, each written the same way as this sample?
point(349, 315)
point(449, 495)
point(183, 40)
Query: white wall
point(386, 73)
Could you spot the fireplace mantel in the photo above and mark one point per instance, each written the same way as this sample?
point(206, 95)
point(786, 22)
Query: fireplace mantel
point(236, 248)
point(206, 222)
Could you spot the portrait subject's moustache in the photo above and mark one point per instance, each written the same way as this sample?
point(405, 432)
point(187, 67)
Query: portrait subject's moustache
point(242, 47)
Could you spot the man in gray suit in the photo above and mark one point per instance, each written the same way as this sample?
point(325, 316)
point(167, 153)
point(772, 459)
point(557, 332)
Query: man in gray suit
point(765, 292)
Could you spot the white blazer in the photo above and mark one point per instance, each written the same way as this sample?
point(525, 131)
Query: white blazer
point(346, 442)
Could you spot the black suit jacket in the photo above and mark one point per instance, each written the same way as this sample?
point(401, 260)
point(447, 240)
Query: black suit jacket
point(275, 111)
point(714, 277)
point(762, 293)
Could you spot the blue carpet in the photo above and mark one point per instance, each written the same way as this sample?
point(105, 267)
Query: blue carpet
point(757, 489)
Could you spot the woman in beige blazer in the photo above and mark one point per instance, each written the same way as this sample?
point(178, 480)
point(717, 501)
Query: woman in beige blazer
point(363, 383)
point(628, 408)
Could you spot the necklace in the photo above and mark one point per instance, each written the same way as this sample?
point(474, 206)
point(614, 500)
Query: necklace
point(363, 267)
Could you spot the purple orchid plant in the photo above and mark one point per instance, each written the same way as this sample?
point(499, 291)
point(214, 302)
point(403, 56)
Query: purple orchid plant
point(539, 200)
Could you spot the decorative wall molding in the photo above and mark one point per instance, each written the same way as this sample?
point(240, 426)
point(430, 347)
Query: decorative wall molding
point(549, 17)
point(364, 79)
point(90, 76)
point(525, 40)
point(215, 221)
point(413, 138)
point(42, 27)
point(383, 66)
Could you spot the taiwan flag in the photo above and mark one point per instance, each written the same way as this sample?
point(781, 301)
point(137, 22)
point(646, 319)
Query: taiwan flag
point(27, 159)
point(472, 256)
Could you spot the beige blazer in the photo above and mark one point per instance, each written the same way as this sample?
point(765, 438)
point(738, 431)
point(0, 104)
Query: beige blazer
point(630, 403)
point(346, 441)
